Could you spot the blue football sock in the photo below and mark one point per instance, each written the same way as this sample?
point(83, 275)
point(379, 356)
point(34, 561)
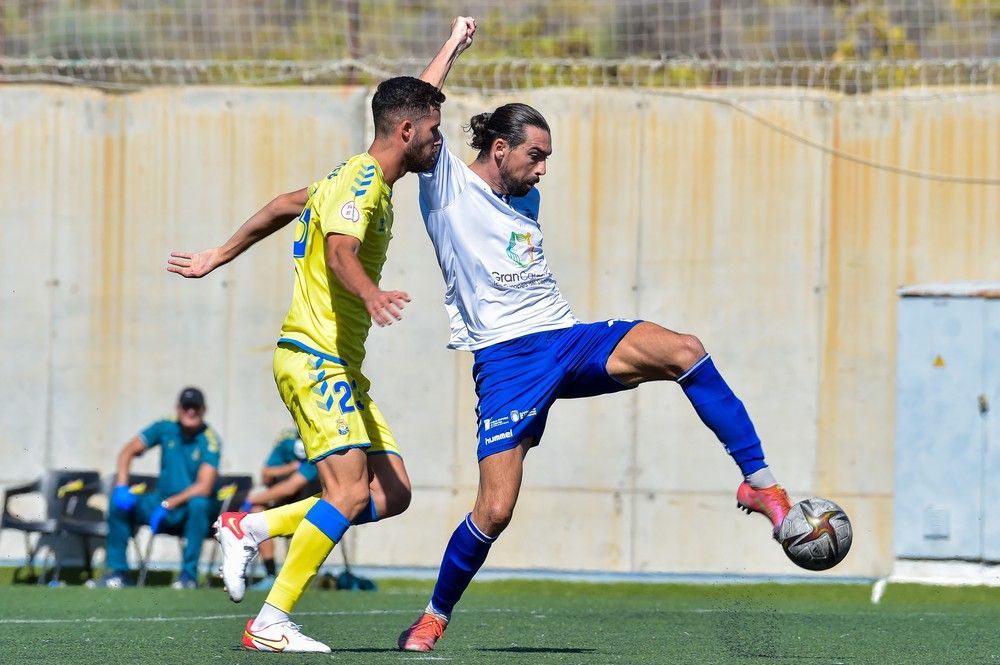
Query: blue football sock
point(463, 557)
point(724, 414)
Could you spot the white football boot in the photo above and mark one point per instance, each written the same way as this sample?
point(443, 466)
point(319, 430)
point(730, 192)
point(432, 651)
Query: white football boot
point(283, 636)
point(238, 550)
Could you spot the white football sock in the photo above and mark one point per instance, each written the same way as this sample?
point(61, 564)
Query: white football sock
point(430, 609)
point(761, 478)
point(268, 616)
point(255, 526)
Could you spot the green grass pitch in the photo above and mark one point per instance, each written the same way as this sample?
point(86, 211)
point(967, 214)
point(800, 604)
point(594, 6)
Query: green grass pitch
point(520, 622)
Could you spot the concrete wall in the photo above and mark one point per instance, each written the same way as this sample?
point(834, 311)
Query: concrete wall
point(685, 210)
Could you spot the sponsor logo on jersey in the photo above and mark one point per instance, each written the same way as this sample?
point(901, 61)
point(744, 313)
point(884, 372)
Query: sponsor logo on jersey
point(515, 252)
point(517, 416)
point(492, 423)
point(509, 434)
point(518, 280)
point(350, 212)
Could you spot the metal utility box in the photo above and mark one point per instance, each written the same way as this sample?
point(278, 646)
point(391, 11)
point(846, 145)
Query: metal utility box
point(947, 431)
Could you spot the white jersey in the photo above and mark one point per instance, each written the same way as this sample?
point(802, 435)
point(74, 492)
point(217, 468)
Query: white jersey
point(498, 285)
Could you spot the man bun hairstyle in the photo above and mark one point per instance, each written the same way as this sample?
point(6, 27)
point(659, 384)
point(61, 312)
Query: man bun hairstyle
point(402, 98)
point(507, 123)
point(480, 132)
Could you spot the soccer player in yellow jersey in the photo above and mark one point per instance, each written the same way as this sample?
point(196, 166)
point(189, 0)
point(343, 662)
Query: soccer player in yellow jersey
point(343, 227)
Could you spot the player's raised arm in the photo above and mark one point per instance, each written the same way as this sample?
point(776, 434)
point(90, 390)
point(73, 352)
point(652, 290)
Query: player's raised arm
point(462, 30)
point(273, 216)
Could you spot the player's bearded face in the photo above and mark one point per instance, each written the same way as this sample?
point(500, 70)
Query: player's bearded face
point(422, 150)
point(522, 167)
point(513, 183)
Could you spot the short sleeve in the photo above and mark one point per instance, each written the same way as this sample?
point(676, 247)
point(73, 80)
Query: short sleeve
point(443, 183)
point(152, 435)
point(347, 203)
point(211, 448)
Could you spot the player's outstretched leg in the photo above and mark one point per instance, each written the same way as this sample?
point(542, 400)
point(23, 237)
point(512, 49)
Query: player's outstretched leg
point(652, 353)
point(724, 413)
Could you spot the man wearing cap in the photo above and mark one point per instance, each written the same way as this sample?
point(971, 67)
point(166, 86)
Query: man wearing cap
point(183, 502)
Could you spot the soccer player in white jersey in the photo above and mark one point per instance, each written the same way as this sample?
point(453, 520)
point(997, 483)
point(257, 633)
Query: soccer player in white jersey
point(530, 350)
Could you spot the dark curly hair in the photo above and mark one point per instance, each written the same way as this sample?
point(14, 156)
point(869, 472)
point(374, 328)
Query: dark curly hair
point(402, 98)
point(507, 123)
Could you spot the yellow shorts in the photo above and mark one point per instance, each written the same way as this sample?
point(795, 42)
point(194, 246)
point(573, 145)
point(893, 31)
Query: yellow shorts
point(330, 404)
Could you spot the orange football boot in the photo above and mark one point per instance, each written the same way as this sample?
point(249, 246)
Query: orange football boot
point(772, 502)
point(423, 634)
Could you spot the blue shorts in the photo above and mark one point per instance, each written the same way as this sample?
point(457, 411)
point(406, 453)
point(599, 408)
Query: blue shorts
point(517, 381)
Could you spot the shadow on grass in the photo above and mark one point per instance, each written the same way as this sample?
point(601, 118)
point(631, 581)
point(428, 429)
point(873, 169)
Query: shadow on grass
point(793, 659)
point(537, 650)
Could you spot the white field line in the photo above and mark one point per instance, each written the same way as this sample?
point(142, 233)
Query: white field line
point(218, 617)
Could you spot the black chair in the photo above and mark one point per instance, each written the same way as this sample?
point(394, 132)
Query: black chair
point(231, 491)
point(65, 494)
point(78, 518)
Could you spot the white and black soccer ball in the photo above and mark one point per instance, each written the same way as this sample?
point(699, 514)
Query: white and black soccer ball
point(816, 534)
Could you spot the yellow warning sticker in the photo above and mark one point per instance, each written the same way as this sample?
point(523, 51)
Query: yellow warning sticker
point(939, 361)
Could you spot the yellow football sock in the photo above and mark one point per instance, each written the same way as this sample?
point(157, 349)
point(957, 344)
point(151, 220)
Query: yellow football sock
point(283, 520)
point(309, 548)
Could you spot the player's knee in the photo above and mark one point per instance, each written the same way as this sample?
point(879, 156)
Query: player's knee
point(349, 499)
point(686, 353)
point(496, 516)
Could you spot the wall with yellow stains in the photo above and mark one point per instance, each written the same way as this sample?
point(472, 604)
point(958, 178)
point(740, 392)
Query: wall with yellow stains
point(724, 214)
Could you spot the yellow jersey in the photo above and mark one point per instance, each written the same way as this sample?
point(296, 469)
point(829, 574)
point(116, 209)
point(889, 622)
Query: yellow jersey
point(324, 318)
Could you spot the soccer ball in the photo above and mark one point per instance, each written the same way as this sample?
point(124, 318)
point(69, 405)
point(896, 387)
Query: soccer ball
point(816, 534)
